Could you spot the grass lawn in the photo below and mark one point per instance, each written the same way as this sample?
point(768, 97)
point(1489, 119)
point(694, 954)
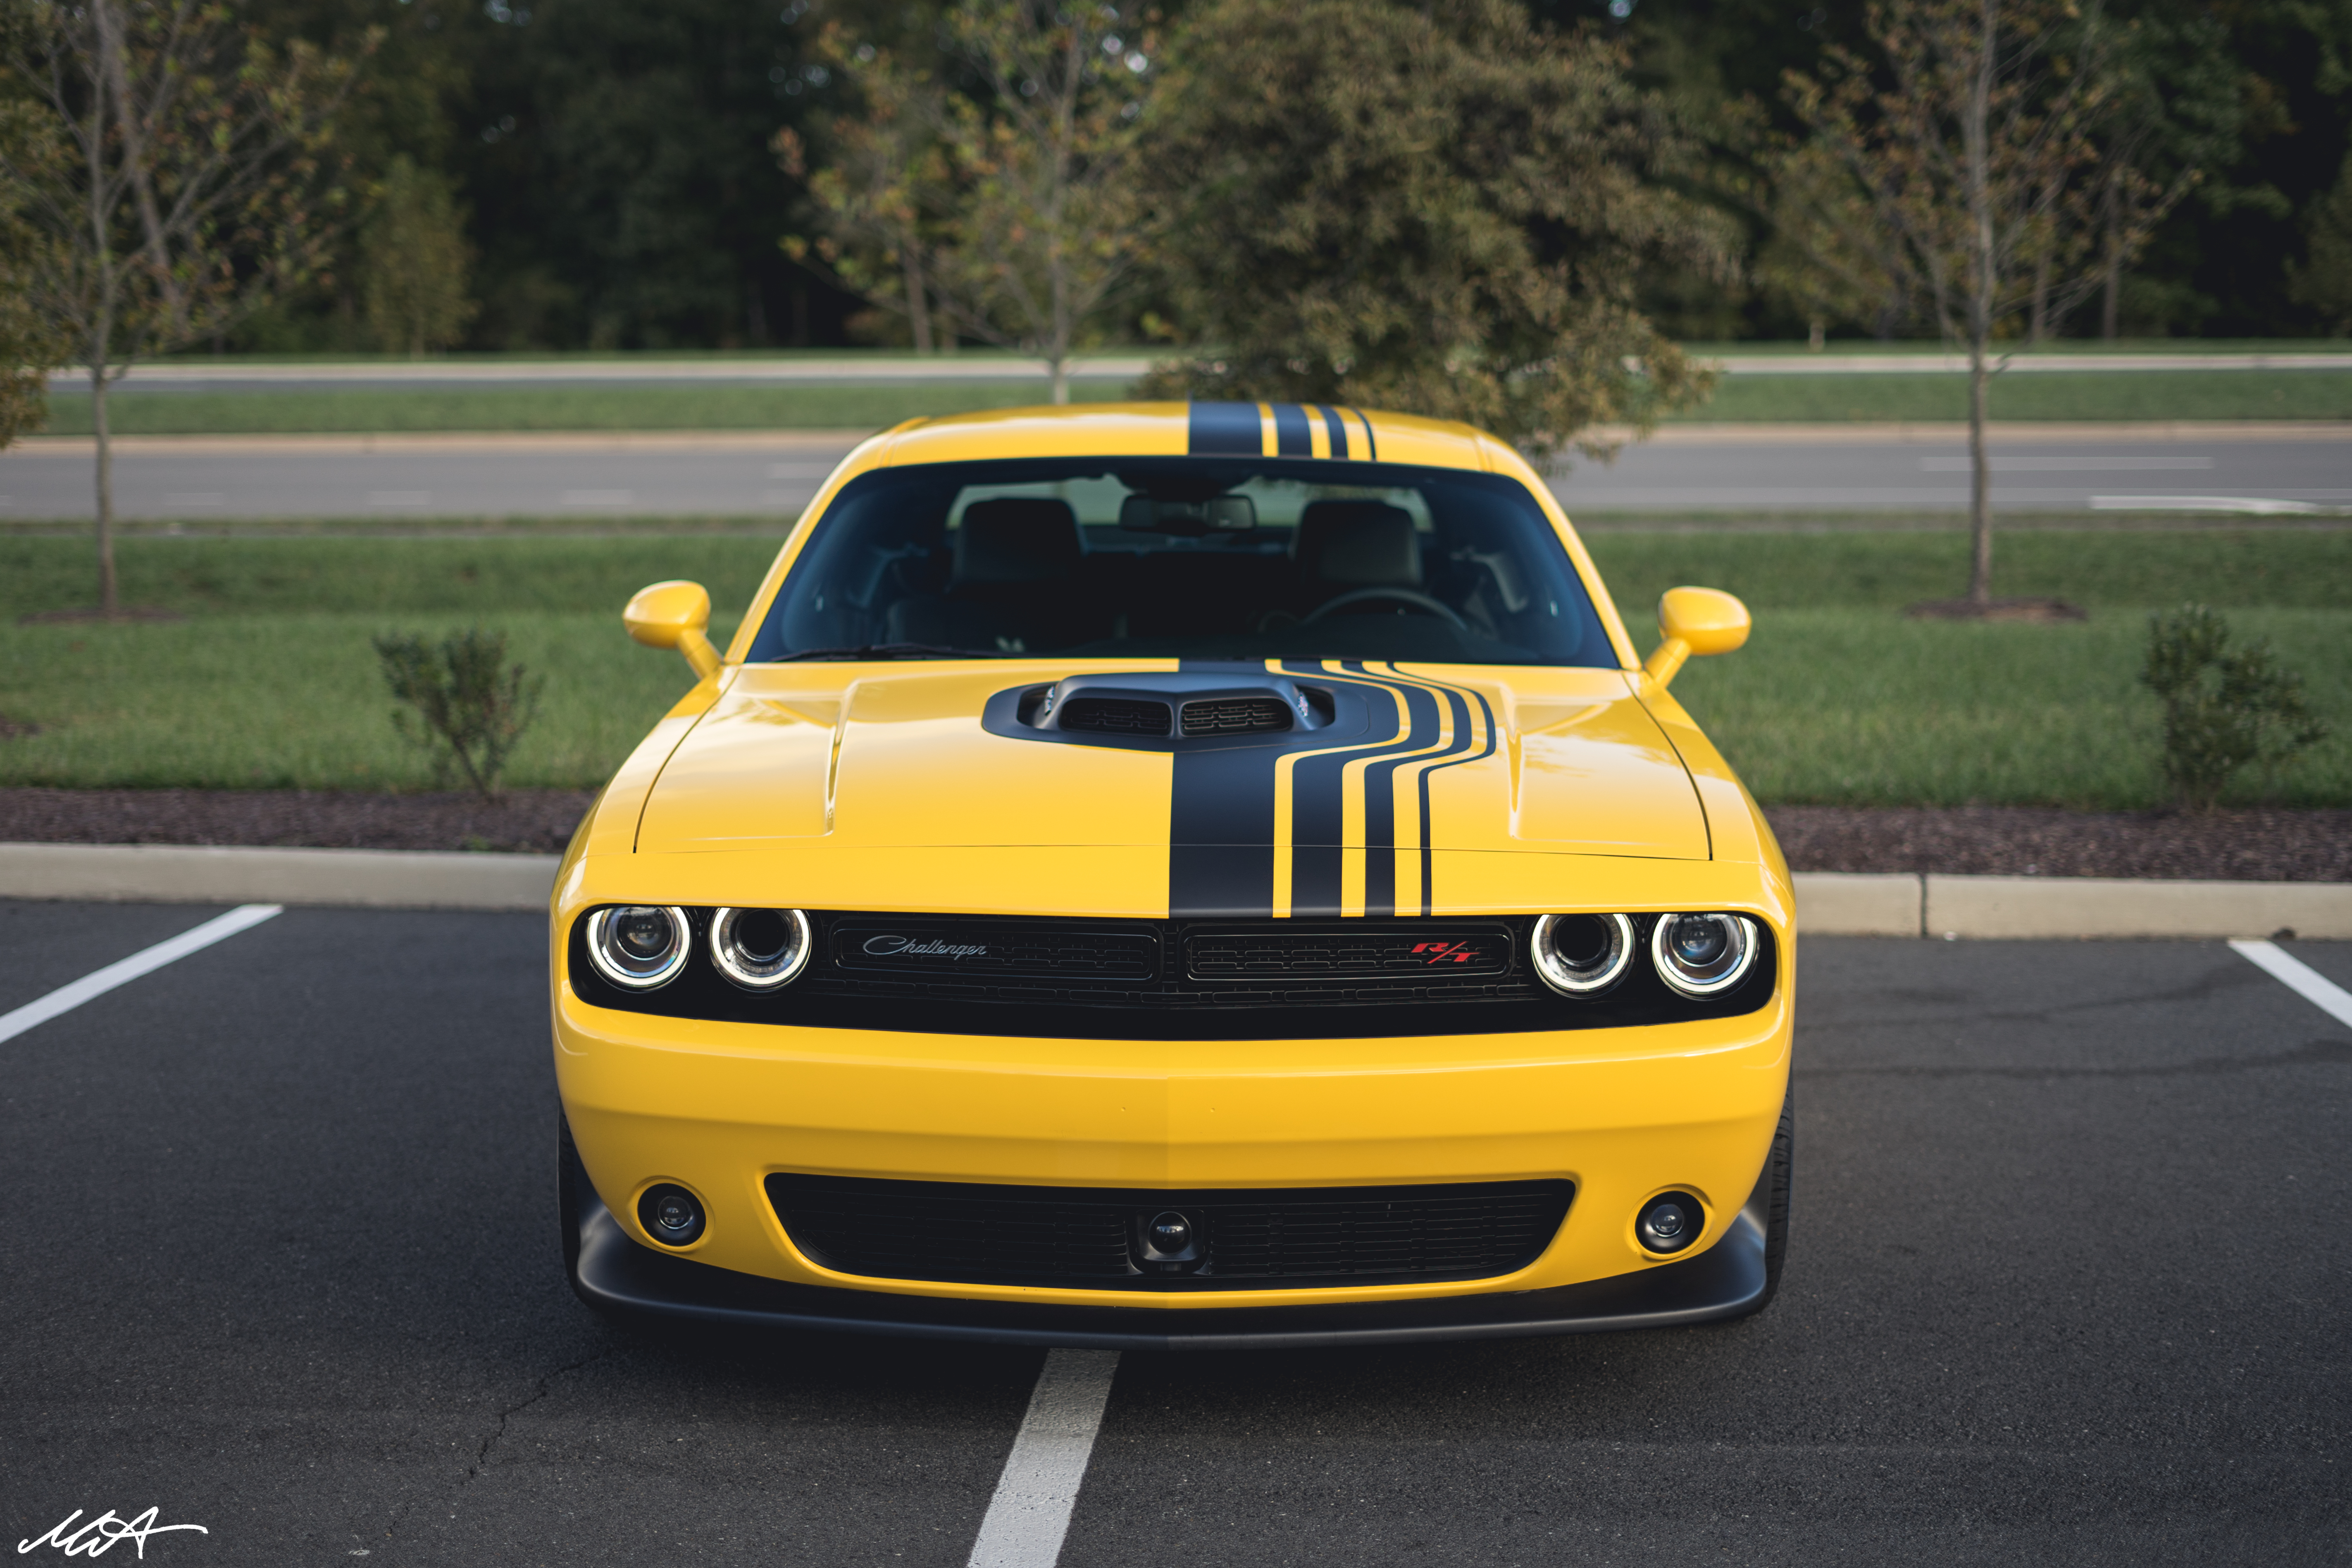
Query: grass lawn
point(271, 681)
point(1831, 399)
point(854, 406)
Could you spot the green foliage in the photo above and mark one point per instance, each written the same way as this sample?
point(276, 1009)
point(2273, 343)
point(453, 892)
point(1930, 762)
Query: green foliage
point(1441, 208)
point(413, 260)
point(33, 339)
point(2222, 709)
point(2324, 280)
point(1008, 206)
point(466, 706)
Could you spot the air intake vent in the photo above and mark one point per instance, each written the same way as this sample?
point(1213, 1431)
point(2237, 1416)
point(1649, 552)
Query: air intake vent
point(1114, 716)
point(1236, 716)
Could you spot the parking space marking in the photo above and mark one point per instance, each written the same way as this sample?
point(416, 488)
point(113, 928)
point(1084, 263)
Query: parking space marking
point(2300, 978)
point(66, 998)
point(1031, 1511)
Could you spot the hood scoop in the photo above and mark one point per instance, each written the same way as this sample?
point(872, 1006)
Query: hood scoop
point(1215, 707)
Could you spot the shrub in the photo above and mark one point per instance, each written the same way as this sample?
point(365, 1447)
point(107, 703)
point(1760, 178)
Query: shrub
point(2221, 709)
point(466, 706)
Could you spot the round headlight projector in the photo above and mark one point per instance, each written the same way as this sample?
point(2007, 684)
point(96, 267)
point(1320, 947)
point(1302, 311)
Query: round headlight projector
point(639, 946)
point(1669, 1222)
point(671, 1215)
point(760, 949)
point(1582, 955)
point(1703, 955)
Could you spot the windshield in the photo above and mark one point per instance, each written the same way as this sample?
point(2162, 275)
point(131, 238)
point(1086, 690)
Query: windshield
point(1241, 558)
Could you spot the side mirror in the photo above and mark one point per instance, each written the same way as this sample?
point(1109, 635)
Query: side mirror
point(673, 615)
point(1696, 620)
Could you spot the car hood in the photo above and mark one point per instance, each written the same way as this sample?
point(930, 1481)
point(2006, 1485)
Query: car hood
point(1383, 763)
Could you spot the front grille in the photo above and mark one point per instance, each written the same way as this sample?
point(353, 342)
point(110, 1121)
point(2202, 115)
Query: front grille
point(1236, 716)
point(1167, 980)
point(1093, 1239)
point(1115, 716)
point(1359, 951)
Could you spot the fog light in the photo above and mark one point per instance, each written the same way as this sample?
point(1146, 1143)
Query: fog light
point(1669, 1223)
point(640, 946)
point(1582, 955)
point(760, 949)
point(671, 1215)
point(1703, 955)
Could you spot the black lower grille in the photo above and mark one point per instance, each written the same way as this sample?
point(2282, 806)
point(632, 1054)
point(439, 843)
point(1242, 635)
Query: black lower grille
point(1094, 1238)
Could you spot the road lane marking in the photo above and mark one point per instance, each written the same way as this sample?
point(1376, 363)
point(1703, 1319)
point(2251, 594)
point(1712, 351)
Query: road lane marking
point(2065, 465)
point(1031, 1511)
point(66, 998)
point(2300, 978)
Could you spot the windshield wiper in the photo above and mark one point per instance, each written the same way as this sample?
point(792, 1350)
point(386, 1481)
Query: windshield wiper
point(890, 650)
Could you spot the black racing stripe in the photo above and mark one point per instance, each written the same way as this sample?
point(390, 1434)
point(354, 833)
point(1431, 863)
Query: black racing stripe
point(1225, 429)
point(1380, 801)
point(1318, 803)
point(1291, 432)
point(1371, 445)
point(1336, 429)
point(1221, 834)
point(1454, 695)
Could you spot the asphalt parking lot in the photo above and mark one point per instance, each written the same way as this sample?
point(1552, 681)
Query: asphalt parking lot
point(2068, 1282)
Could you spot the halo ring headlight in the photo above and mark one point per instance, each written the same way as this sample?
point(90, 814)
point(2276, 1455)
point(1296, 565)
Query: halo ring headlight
point(639, 946)
point(1582, 955)
point(1703, 954)
point(759, 950)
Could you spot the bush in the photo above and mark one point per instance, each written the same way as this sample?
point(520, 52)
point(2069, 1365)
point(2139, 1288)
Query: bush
point(468, 705)
point(2221, 709)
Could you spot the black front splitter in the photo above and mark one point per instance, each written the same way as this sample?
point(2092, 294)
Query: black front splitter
point(618, 1274)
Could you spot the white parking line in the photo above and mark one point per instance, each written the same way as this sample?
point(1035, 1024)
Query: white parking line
point(1031, 1511)
point(66, 998)
point(2300, 978)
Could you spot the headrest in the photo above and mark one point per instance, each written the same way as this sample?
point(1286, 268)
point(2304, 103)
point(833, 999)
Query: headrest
point(1017, 539)
point(1357, 544)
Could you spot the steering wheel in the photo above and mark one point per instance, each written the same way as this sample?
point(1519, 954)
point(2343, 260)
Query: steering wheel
point(1413, 598)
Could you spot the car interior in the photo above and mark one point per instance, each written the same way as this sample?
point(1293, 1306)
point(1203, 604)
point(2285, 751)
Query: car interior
point(1185, 558)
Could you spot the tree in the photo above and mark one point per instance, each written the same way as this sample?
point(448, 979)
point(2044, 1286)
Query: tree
point(1972, 134)
point(413, 263)
point(2324, 280)
point(193, 183)
point(1445, 208)
point(1012, 202)
point(31, 341)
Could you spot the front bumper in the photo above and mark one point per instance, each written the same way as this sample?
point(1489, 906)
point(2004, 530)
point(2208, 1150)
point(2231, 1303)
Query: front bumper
point(613, 1273)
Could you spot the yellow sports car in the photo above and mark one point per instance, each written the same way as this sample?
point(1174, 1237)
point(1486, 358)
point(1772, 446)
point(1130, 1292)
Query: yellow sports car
point(1168, 875)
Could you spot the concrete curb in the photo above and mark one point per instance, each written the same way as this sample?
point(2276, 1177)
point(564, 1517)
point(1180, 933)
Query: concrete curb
point(1827, 903)
point(367, 878)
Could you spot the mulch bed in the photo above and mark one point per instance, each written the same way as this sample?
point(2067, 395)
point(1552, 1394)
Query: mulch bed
point(2237, 845)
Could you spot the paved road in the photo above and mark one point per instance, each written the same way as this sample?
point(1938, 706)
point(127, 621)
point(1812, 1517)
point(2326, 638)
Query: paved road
point(756, 369)
point(1814, 470)
point(2067, 1285)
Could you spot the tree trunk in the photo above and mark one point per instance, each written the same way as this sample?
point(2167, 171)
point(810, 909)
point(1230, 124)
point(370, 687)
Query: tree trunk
point(110, 602)
point(1061, 368)
point(2038, 330)
point(918, 303)
point(1977, 133)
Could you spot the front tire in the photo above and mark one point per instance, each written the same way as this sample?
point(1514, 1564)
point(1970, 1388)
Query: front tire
point(1779, 1174)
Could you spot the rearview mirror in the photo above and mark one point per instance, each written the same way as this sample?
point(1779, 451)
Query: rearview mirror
point(673, 615)
point(1218, 514)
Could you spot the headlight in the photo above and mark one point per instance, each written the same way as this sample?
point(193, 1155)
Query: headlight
point(1703, 955)
point(760, 949)
point(640, 946)
point(1582, 955)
